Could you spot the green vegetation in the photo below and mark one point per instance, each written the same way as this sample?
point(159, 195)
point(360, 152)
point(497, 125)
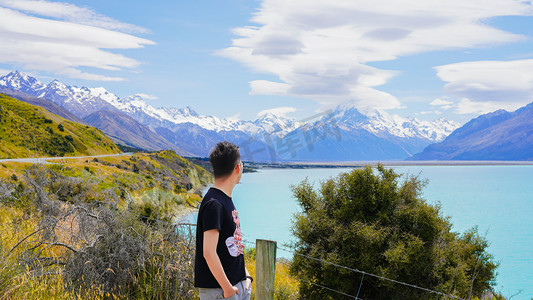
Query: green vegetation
point(98, 229)
point(162, 185)
point(31, 131)
point(368, 221)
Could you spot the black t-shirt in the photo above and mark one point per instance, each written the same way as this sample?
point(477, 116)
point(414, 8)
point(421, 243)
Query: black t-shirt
point(218, 212)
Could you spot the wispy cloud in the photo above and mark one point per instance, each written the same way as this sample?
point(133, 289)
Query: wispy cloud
point(485, 86)
point(444, 104)
point(4, 72)
point(148, 97)
point(278, 111)
point(430, 112)
point(59, 46)
point(320, 50)
point(71, 13)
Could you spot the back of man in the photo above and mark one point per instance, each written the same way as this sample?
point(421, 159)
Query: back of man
point(220, 272)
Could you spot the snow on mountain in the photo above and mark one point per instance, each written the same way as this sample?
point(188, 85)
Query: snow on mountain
point(80, 101)
point(500, 135)
point(83, 101)
point(135, 105)
point(438, 130)
point(275, 124)
point(382, 124)
point(21, 82)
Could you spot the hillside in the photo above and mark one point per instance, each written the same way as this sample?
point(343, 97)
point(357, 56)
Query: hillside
point(87, 217)
point(500, 135)
point(48, 105)
point(161, 184)
point(30, 131)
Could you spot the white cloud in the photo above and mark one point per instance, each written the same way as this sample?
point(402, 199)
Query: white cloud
point(430, 112)
point(70, 12)
point(444, 104)
point(62, 47)
point(235, 117)
point(265, 87)
point(147, 97)
point(4, 72)
point(440, 102)
point(466, 106)
point(485, 86)
point(320, 49)
point(278, 111)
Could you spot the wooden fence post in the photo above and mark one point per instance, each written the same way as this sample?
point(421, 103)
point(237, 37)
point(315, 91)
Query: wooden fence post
point(265, 268)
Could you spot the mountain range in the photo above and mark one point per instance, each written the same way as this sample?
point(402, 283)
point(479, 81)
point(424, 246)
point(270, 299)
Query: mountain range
point(500, 135)
point(341, 134)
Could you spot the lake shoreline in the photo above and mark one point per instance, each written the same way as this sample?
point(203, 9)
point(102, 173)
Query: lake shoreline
point(356, 164)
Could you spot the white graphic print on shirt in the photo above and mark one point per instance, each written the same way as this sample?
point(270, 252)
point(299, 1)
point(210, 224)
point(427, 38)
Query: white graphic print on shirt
point(234, 243)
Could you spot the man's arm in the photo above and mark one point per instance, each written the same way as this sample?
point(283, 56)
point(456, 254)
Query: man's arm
point(214, 264)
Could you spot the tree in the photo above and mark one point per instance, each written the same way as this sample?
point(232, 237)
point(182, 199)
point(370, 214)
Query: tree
point(367, 220)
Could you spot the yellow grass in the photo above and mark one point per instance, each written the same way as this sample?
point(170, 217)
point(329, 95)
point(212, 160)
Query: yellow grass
point(285, 286)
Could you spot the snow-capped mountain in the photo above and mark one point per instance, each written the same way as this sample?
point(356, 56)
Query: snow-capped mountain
point(80, 101)
point(346, 134)
point(137, 107)
point(499, 135)
point(382, 124)
point(21, 82)
point(357, 136)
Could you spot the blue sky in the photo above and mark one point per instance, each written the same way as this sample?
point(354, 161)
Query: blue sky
point(428, 59)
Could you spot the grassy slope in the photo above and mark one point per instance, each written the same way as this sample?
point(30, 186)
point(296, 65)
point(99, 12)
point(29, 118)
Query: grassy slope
point(160, 184)
point(156, 185)
point(31, 131)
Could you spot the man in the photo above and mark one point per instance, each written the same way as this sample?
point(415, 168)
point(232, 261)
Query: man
point(219, 263)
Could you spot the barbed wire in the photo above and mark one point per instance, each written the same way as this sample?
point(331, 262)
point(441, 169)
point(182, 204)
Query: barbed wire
point(321, 286)
point(309, 282)
point(294, 252)
point(368, 274)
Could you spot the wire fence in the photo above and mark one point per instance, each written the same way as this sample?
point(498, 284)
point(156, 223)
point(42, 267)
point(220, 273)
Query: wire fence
point(363, 273)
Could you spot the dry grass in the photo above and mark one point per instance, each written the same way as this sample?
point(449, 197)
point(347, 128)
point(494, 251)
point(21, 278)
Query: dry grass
point(72, 231)
point(286, 288)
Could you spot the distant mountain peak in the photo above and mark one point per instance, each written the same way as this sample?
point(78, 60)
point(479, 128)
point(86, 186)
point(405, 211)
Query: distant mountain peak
point(187, 111)
point(17, 74)
point(21, 82)
point(271, 116)
point(56, 84)
point(499, 135)
point(381, 123)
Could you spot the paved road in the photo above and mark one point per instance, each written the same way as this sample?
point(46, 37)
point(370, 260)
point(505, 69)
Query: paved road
point(44, 160)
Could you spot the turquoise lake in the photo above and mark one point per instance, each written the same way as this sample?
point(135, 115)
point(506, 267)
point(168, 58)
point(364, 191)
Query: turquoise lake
point(497, 199)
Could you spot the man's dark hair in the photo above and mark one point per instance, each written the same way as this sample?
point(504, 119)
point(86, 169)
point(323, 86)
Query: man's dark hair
point(224, 157)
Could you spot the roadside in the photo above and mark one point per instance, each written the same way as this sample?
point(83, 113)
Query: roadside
point(43, 160)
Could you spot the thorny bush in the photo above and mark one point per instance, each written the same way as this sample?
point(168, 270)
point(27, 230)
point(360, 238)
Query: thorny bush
point(84, 235)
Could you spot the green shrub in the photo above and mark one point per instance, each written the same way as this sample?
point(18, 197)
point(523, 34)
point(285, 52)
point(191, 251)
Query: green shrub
point(367, 220)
